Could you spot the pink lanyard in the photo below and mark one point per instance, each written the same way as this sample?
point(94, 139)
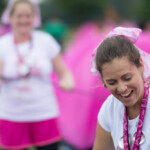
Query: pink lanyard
point(140, 123)
point(20, 58)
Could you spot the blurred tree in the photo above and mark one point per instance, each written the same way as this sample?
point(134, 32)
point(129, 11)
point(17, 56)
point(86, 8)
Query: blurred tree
point(2, 6)
point(81, 10)
point(78, 11)
point(49, 9)
point(144, 11)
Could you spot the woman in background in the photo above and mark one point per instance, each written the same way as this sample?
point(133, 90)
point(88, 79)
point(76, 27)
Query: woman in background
point(28, 107)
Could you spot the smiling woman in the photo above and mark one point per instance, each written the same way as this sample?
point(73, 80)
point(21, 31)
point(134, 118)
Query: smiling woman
point(120, 77)
point(22, 16)
point(121, 67)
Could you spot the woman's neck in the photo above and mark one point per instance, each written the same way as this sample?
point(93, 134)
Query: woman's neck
point(21, 38)
point(134, 111)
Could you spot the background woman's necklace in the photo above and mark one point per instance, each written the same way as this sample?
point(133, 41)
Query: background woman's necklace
point(24, 64)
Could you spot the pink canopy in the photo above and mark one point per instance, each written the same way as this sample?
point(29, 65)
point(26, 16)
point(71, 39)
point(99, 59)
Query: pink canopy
point(79, 109)
point(144, 41)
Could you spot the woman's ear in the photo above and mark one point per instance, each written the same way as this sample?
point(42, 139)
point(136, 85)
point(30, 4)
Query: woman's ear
point(104, 85)
point(141, 66)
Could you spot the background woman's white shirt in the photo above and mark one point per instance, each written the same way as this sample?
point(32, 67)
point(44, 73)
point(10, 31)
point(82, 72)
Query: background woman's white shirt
point(39, 103)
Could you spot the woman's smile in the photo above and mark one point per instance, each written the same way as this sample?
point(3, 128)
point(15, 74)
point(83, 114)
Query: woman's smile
point(120, 77)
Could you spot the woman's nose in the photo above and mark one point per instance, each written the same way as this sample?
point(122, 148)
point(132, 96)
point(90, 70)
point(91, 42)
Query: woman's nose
point(121, 88)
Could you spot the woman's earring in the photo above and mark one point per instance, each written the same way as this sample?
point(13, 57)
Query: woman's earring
point(104, 85)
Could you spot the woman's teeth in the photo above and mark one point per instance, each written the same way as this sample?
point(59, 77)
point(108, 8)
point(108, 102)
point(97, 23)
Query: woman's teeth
point(126, 95)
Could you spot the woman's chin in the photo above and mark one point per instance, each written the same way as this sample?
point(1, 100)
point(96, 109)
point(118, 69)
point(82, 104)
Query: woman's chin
point(23, 31)
point(129, 100)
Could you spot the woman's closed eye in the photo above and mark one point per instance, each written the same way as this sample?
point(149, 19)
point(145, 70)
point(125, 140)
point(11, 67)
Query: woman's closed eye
point(111, 82)
point(127, 79)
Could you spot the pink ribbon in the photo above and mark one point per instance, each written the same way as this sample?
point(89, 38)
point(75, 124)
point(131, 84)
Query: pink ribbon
point(132, 34)
point(140, 123)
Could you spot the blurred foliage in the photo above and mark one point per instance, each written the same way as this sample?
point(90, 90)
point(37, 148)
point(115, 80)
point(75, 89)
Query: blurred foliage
point(78, 11)
point(49, 9)
point(81, 10)
point(144, 12)
point(75, 11)
point(3, 4)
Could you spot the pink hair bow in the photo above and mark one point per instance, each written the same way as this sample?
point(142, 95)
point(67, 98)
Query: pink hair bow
point(132, 34)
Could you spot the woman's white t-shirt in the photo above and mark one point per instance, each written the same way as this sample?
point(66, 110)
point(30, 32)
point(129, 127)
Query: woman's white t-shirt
point(110, 117)
point(38, 102)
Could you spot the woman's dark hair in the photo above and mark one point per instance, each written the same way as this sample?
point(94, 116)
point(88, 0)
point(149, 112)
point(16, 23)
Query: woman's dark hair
point(116, 47)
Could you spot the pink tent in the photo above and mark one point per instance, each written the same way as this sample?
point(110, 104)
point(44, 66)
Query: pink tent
point(144, 41)
point(79, 109)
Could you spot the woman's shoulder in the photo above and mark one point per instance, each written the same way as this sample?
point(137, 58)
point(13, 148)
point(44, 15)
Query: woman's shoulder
point(112, 102)
point(111, 106)
point(47, 42)
point(111, 110)
point(6, 37)
point(42, 35)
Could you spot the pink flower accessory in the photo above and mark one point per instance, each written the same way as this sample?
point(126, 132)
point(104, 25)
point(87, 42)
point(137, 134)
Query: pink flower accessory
point(5, 16)
point(132, 34)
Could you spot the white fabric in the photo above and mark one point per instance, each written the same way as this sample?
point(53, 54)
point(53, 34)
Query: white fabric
point(110, 118)
point(39, 102)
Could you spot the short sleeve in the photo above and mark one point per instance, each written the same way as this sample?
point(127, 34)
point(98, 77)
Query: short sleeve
point(1, 51)
point(104, 115)
point(5, 43)
point(51, 45)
